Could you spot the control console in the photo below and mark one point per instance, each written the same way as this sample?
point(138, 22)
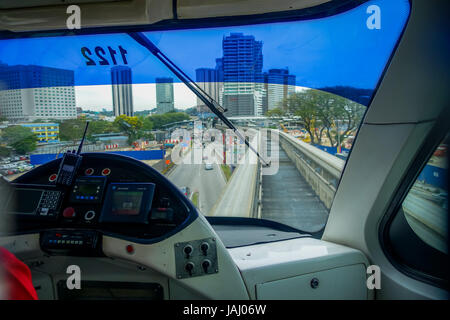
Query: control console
point(88, 190)
point(71, 242)
point(196, 258)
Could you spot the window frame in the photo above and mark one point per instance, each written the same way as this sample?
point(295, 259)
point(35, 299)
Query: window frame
point(423, 155)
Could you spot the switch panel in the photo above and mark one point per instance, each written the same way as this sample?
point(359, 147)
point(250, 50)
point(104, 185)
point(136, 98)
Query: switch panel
point(196, 258)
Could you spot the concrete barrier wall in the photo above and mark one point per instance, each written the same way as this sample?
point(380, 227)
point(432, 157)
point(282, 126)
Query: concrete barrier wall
point(300, 152)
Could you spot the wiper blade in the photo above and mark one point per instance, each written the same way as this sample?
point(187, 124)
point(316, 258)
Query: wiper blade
point(212, 104)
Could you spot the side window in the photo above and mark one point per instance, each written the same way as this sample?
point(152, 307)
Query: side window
point(418, 233)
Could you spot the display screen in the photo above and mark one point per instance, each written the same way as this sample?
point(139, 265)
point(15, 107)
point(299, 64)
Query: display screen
point(87, 188)
point(68, 168)
point(18, 205)
point(127, 202)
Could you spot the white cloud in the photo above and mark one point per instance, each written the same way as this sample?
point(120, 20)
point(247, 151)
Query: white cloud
point(144, 97)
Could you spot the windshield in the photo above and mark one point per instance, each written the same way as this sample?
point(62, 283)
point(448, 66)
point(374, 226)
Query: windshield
point(297, 90)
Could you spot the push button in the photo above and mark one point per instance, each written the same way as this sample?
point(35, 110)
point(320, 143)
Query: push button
point(89, 215)
point(69, 213)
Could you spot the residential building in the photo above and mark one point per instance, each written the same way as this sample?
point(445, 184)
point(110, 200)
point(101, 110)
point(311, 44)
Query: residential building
point(242, 62)
point(279, 84)
point(30, 92)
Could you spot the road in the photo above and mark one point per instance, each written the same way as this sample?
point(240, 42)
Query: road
point(208, 183)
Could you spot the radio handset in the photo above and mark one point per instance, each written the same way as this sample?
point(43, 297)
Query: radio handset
point(70, 163)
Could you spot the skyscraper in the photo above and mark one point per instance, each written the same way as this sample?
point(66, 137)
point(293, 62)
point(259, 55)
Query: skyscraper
point(122, 93)
point(242, 62)
point(30, 92)
point(279, 84)
point(219, 73)
point(207, 79)
point(164, 95)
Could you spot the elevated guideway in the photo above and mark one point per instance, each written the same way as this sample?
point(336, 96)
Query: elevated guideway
point(287, 196)
point(298, 192)
point(319, 169)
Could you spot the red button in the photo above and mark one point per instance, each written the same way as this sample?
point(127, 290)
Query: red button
point(89, 171)
point(130, 248)
point(52, 177)
point(106, 172)
point(69, 212)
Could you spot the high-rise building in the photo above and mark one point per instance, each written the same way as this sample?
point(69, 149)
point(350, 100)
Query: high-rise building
point(279, 84)
point(242, 62)
point(121, 83)
point(207, 79)
point(164, 95)
point(30, 92)
point(219, 73)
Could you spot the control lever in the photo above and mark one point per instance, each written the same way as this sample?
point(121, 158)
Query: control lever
point(205, 265)
point(189, 267)
point(204, 248)
point(188, 250)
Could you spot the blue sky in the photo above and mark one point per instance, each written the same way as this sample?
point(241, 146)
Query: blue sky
point(337, 50)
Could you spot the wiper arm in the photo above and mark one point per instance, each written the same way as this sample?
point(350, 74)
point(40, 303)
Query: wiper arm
point(212, 104)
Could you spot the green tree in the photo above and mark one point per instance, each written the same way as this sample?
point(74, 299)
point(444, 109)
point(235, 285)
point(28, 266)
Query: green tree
point(5, 151)
point(160, 120)
point(22, 139)
point(131, 126)
point(304, 106)
point(71, 129)
point(321, 113)
point(277, 112)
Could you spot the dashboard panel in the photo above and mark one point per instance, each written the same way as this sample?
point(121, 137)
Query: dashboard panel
point(110, 195)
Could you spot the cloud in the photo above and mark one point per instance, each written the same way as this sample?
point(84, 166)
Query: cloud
point(144, 97)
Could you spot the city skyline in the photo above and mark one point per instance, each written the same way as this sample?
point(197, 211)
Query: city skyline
point(246, 89)
point(326, 52)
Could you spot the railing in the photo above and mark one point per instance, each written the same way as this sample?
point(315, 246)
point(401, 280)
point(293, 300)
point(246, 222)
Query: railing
point(320, 169)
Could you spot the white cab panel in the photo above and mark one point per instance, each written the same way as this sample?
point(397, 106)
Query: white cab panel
point(281, 270)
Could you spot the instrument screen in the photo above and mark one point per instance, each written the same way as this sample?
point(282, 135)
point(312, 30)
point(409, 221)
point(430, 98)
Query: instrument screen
point(16, 203)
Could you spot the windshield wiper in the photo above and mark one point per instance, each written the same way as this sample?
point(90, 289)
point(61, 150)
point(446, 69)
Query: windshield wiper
point(212, 104)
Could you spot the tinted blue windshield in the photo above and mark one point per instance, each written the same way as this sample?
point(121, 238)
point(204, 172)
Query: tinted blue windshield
point(339, 50)
point(305, 84)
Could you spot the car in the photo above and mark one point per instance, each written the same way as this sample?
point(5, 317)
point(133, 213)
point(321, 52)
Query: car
point(209, 166)
point(186, 191)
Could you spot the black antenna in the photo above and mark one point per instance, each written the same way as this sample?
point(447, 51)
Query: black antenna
point(82, 140)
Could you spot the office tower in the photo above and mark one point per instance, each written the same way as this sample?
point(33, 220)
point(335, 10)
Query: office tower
point(219, 74)
point(30, 92)
point(207, 79)
point(279, 84)
point(243, 88)
point(121, 82)
point(164, 95)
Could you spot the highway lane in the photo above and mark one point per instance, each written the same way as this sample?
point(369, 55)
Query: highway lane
point(208, 183)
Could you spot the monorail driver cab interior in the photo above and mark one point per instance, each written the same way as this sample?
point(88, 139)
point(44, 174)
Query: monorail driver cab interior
point(135, 235)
